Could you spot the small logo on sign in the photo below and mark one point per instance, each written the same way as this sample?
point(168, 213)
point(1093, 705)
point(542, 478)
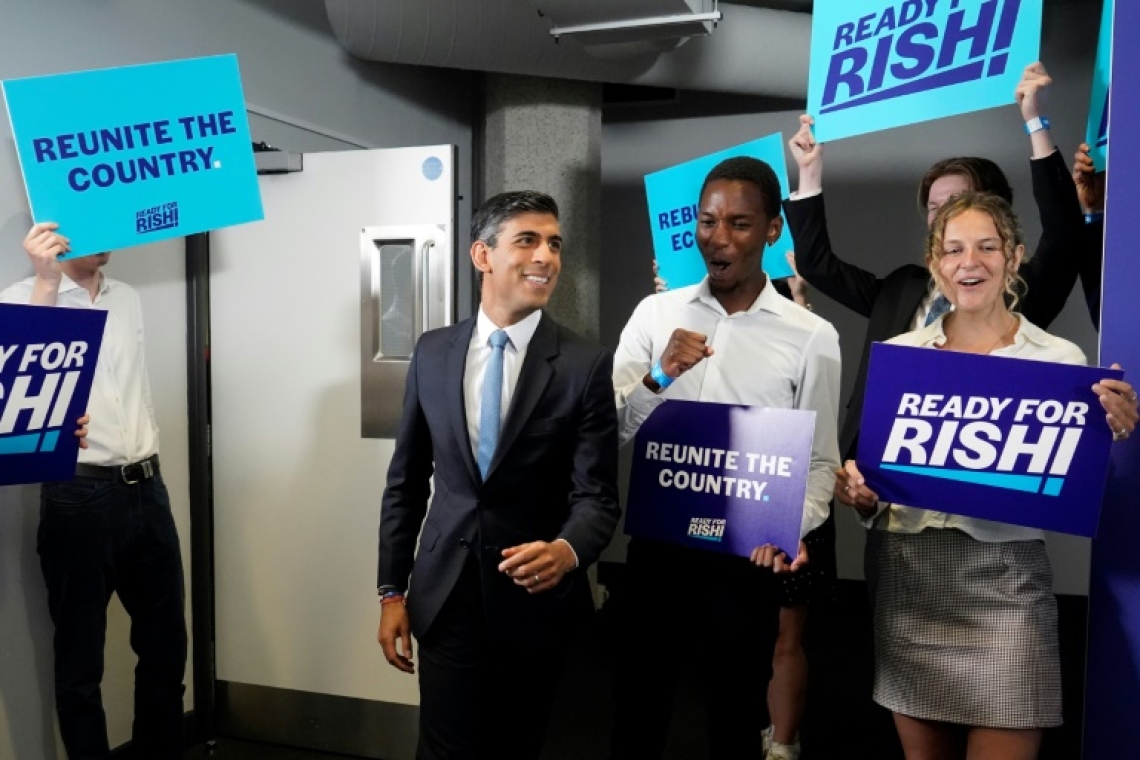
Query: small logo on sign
point(161, 217)
point(707, 528)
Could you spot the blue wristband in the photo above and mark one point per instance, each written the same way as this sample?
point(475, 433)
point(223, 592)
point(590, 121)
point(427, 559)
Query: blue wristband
point(1036, 124)
point(1094, 217)
point(659, 375)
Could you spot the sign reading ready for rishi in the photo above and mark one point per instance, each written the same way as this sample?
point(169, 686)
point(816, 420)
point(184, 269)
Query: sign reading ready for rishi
point(1011, 440)
point(673, 197)
point(720, 476)
point(127, 156)
point(47, 363)
point(877, 64)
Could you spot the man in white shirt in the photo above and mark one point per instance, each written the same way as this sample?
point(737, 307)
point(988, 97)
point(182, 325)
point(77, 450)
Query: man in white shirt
point(509, 430)
point(110, 529)
point(730, 339)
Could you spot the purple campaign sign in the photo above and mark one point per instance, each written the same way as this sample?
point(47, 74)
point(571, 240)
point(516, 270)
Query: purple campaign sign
point(721, 477)
point(1011, 440)
point(47, 363)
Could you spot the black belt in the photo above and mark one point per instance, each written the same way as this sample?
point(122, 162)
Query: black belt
point(128, 474)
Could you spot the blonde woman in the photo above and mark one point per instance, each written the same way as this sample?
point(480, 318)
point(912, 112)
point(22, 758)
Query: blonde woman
point(966, 649)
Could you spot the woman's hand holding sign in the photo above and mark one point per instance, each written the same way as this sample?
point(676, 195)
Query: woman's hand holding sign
point(770, 556)
point(851, 489)
point(1118, 399)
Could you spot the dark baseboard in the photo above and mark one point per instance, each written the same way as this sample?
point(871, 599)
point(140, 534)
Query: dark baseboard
point(344, 725)
point(189, 730)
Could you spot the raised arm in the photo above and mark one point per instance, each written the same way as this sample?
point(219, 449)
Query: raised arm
point(1052, 271)
point(816, 261)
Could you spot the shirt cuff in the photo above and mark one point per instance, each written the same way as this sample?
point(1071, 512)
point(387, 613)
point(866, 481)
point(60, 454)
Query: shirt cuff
point(869, 522)
point(643, 400)
point(798, 196)
point(563, 540)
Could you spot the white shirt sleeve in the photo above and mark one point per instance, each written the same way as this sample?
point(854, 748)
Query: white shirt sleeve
point(818, 389)
point(634, 356)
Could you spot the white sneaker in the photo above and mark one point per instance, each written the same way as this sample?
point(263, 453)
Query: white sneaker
point(779, 751)
point(770, 749)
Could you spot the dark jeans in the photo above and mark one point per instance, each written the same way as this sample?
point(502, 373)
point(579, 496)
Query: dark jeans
point(98, 537)
point(688, 612)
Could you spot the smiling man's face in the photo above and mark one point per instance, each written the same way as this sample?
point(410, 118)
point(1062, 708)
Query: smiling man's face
point(520, 272)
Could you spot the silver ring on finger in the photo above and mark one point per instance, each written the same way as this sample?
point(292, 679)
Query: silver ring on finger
point(1133, 396)
point(537, 578)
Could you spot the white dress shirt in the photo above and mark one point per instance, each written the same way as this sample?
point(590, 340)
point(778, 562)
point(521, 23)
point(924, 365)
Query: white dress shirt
point(775, 354)
point(479, 354)
point(1030, 342)
point(122, 428)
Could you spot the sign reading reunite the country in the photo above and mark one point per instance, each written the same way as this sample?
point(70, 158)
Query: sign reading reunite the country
point(1096, 133)
point(1012, 440)
point(673, 199)
point(720, 476)
point(878, 64)
point(133, 155)
point(47, 363)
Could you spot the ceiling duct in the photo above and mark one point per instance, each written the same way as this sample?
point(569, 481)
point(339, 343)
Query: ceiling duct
point(753, 51)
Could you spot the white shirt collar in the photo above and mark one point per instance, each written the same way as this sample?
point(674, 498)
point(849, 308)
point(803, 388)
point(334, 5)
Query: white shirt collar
point(66, 284)
point(768, 300)
point(520, 332)
point(933, 334)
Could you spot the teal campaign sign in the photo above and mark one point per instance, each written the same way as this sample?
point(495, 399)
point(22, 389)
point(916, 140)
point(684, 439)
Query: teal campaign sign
point(672, 195)
point(1096, 134)
point(47, 364)
point(132, 155)
point(878, 64)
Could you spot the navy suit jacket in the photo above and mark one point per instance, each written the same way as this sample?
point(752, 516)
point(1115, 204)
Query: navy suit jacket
point(554, 475)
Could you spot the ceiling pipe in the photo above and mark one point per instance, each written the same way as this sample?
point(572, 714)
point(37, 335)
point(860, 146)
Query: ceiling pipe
point(753, 51)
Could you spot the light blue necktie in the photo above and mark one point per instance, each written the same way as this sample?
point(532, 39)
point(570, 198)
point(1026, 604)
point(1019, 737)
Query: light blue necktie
point(490, 408)
point(938, 307)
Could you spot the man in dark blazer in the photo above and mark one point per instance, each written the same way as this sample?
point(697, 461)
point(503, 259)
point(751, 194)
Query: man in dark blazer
point(515, 417)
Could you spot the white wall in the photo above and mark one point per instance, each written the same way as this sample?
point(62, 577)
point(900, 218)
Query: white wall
point(871, 183)
point(308, 95)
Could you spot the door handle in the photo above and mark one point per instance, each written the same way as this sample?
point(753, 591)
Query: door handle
point(425, 286)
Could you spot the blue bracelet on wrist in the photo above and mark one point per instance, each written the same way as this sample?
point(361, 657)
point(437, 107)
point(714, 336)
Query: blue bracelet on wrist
point(659, 375)
point(1096, 216)
point(1036, 124)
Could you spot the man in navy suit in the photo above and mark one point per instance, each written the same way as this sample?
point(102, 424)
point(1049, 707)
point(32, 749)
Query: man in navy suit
point(515, 417)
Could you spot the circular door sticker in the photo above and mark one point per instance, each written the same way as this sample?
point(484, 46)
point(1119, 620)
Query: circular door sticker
point(433, 168)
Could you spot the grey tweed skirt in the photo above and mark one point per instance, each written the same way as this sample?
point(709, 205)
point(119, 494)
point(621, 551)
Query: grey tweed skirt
point(966, 631)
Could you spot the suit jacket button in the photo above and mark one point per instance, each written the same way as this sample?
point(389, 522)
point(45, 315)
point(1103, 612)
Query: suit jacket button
point(465, 543)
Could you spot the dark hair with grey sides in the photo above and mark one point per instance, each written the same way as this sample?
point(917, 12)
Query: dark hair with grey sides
point(488, 220)
point(748, 169)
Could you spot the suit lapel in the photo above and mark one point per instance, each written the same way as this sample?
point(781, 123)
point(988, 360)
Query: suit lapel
point(457, 407)
point(533, 378)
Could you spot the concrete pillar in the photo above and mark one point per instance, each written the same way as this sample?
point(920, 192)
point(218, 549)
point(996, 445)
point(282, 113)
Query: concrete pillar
point(546, 135)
